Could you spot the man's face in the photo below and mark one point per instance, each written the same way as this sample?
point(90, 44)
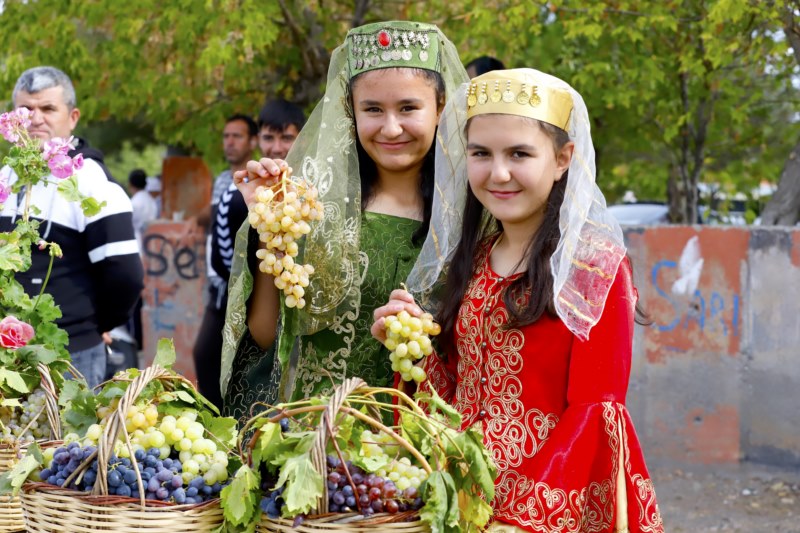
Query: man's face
point(274, 143)
point(237, 142)
point(50, 116)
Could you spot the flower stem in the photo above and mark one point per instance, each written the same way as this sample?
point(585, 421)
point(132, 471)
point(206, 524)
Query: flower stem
point(46, 279)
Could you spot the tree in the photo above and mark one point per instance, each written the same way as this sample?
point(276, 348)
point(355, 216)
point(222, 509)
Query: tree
point(784, 206)
point(671, 86)
point(180, 66)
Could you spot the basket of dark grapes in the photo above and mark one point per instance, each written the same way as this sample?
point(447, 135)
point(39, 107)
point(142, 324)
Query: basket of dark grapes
point(155, 461)
point(332, 464)
point(33, 417)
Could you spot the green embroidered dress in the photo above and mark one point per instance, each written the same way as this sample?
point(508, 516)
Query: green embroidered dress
point(325, 358)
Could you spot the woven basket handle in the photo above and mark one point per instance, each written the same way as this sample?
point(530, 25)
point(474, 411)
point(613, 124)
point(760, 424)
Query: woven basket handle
point(318, 452)
point(51, 397)
point(116, 426)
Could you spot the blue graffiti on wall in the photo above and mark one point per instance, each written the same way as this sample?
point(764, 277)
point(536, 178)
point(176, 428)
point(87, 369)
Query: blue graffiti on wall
point(707, 310)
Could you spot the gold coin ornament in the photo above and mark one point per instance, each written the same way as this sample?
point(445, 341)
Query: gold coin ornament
point(508, 95)
point(496, 94)
point(483, 97)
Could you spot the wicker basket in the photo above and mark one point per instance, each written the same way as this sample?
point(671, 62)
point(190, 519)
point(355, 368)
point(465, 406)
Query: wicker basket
point(11, 516)
point(48, 508)
point(406, 522)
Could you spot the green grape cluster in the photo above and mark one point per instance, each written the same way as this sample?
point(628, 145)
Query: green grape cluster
point(408, 339)
point(282, 216)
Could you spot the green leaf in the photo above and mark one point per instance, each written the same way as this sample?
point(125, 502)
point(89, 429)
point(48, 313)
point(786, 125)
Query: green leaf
point(435, 511)
point(11, 258)
point(436, 404)
point(223, 428)
point(91, 207)
point(37, 353)
point(68, 188)
point(184, 396)
point(303, 485)
point(10, 402)
point(13, 379)
point(12, 480)
point(269, 439)
point(240, 498)
point(165, 353)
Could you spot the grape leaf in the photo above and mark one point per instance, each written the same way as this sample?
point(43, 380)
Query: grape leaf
point(474, 510)
point(436, 511)
point(13, 380)
point(436, 404)
point(37, 353)
point(268, 441)
point(475, 466)
point(165, 353)
point(10, 402)
point(240, 498)
point(223, 428)
point(303, 485)
point(184, 396)
point(12, 480)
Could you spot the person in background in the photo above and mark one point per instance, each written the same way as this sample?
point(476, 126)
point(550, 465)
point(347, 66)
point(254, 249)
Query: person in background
point(153, 188)
point(279, 123)
point(99, 278)
point(239, 140)
point(145, 209)
point(482, 65)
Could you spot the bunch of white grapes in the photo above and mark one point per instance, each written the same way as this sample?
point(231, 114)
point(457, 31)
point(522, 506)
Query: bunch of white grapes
point(28, 421)
point(399, 469)
point(282, 215)
point(408, 339)
point(182, 438)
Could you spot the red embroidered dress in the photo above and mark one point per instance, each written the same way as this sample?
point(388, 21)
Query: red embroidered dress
point(552, 409)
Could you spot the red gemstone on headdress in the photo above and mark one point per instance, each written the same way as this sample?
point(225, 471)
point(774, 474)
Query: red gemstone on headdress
point(384, 39)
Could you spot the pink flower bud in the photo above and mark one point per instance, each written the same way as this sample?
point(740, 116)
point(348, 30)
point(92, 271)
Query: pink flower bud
point(14, 333)
point(77, 162)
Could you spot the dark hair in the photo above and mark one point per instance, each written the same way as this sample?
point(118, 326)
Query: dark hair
point(251, 124)
point(279, 114)
point(369, 171)
point(484, 64)
point(137, 178)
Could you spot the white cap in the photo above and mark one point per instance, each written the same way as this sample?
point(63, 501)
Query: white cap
point(153, 184)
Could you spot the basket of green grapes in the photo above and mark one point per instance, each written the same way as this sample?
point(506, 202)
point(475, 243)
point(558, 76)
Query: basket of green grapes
point(25, 418)
point(332, 464)
point(155, 459)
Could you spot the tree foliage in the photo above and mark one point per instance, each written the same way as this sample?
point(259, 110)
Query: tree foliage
point(679, 91)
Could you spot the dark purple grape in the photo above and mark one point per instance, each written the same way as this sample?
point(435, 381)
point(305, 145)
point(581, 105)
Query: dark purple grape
point(338, 498)
point(350, 501)
point(333, 508)
point(417, 504)
point(358, 479)
point(333, 461)
point(389, 490)
point(362, 489)
point(375, 493)
point(363, 500)
point(377, 506)
point(335, 477)
point(347, 490)
point(403, 506)
point(332, 486)
point(378, 482)
point(367, 511)
point(391, 506)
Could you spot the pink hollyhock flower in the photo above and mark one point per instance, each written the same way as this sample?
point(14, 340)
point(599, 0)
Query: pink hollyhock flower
point(14, 333)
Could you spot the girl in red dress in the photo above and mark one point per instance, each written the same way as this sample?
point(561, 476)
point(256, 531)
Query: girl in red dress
point(538, 308)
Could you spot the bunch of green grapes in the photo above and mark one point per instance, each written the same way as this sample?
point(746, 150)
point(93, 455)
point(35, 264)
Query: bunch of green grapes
point(408, 339)
point(400, 470)
point(28, 421)
point(282, 215)
point(182, 438)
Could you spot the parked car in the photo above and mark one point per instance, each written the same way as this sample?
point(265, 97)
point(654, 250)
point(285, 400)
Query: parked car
point(640, 213)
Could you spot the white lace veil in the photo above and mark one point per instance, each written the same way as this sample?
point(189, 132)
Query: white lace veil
point(591, 246)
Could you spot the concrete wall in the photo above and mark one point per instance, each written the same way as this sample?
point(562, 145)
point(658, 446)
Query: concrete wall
point(716, 377)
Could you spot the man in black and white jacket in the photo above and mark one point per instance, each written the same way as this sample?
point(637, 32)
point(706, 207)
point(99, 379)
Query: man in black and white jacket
point(100, 276)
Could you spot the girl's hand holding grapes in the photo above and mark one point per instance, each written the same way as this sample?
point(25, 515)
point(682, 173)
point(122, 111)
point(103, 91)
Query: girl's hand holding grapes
point(264, 172)
point(399, 300)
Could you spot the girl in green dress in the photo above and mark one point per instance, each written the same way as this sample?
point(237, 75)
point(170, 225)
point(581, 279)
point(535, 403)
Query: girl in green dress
point(369, 148)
